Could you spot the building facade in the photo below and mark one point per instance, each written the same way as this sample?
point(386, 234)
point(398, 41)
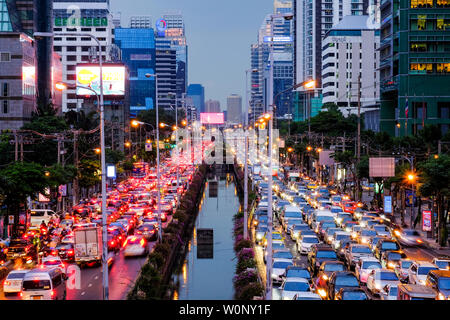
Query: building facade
point(349, 52)
point(166, 69)
point(234, 108)
point(197, 93)
point(93, 17)
point(139, 55)
point(212, 106)
point(414, 65)
point(141, 22)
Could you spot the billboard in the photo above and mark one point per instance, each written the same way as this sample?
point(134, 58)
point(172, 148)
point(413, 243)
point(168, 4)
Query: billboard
point(381, 167)
point(212, 118)
point(113, 80)
point(325, 158)
point(426, 220)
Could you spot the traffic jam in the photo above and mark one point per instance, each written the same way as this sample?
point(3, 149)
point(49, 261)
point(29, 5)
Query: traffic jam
point(38, 261)
point(328, 247)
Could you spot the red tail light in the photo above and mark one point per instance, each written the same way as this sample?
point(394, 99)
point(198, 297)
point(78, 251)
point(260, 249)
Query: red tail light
point(54, 252)
point(21, 294)
point(70, 252)
point(125, 243)
point(52, 293)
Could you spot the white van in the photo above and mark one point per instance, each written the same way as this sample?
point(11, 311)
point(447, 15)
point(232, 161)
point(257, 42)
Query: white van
point(39, 215)
point(44, 284)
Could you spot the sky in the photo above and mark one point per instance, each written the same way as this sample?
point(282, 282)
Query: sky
point(219, 35)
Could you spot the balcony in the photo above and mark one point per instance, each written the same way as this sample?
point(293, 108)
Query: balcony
point(385, 42)
point(389, 84)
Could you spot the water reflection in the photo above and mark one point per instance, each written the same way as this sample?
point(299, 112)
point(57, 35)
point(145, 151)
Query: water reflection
point(209, 279)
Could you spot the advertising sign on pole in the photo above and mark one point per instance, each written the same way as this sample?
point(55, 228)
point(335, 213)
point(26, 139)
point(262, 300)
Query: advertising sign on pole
point(381, 167)
point(10, 219)
point(63, 190)
point(426, 220)
point(387, 204)
point(148, 147)
point(111, 171)
point(325, 158)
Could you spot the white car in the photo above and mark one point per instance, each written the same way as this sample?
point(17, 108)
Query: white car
point(381, 230)
point(442, 263)
point(13, 282)
point(364, 267)
point(379, 278)
point(293, 286)
point(389, 292)
point(54, 261)
point(135, 246)
point(279, 267)
point(305, 243)
point(418, 271)
point(307, 296)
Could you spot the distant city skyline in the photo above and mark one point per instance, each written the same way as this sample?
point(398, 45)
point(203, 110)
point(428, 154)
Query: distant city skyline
point(219, 35)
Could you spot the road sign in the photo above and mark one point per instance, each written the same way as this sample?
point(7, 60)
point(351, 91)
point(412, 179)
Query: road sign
point(409, 199)
point(426, 220)
point(148, 147)
point(387, 204)
point(63, 190)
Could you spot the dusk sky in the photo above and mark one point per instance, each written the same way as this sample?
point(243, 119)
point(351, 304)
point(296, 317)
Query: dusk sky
point(219, 34)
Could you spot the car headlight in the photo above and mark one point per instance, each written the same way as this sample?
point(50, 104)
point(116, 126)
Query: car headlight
point(441, 296)
point(348, 229)
point(391, 265)
point(330, 238)
point(322, 293)
point(422, 282)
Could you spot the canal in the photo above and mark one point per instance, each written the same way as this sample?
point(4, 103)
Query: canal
point(208, 270)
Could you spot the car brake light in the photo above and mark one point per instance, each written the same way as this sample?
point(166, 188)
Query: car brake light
point(21, 294)
point(52, 293)
point(125, 243)
point(142, 242)
point(70, 251)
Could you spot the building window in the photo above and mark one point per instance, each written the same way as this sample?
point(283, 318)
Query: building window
point(5, 106)
point(71, 48)
point(420, 110)
point(418, 47)
point(72, 39)
point(5, 57)
point(86, 39)
point(57, 48)
point(421, 4)
point(71, 58)
point(443, 3)
point(443, 67)
point(444, 110)
point(5, 89)
point(85, 29)
point(421, 68)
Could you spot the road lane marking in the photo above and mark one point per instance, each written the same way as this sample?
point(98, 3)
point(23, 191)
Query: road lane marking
point(83, 293)
point(90, 285)
point(96, 277)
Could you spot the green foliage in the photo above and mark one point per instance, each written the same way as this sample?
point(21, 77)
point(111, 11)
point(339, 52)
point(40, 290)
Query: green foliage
point(242, 244)
point(6, 149)
point(242, 265)
point(79, 120)
point(435, 176)
point(114, 156)
point(128, 165)
point(156, 259)
point(362, 168)
point(59, 175)
point(251, 290)
point(88, 173)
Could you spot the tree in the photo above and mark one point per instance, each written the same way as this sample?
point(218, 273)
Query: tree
point(114, 156)
point(435, 182)
point(88, 173)
point(430, 135)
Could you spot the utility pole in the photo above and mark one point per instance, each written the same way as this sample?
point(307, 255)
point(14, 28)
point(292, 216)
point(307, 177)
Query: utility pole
point(359, 135)
point(58, 160)
point(75, 162)
point(21, 148)
point(16, 147)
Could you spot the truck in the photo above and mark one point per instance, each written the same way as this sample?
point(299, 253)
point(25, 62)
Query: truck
point(88, 244)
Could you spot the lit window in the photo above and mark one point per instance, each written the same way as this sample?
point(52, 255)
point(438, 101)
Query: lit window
point(443, 67)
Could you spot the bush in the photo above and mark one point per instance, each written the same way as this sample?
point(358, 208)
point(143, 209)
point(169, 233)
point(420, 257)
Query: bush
point(243, 265)
point(246, 253)
point(244, 278)
point(148, 282)
point(239, 245)
point(156, 259)
point(163, 249)
point(251, 290)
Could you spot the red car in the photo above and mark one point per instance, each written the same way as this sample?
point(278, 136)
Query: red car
point(349, 206)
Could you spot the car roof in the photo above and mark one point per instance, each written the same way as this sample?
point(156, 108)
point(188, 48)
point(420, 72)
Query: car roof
point(297, 279)
point(371, 259)
point(425, 264)
point(282, 260)
point(441, 273)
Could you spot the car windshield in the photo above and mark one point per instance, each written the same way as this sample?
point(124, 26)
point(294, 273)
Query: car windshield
point(354, 295)
point(310, 240)
point(444, 284)
point(393, 291)
point(326, 254)
point(334, 267)
point(301, 227)
point(425, 270)
point(296, 286)
point(380, 228)
point(342, 236)
point(277, 236)
point(442, 264)
point(282, 255)
point(36, 285)
point(394, 256)
point(368, 233)
point(301, 273)
point(359, 249)
point(371, 265)
point(328, 225)
point(406, 264)
point(389, 276)
point(281, 265)
point(347, 281)
point(52, 262)
point(276, 246)
point(261, 230)
point(388, 245)
point(18, 275)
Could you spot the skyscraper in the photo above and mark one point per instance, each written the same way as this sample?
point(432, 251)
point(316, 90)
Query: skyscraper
point(234, 108)
point(197, 93)
point(138, 53)
point(166, 69)
point(212, 106)
point(141, 22)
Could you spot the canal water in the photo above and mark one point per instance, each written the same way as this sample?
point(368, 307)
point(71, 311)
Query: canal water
point(210, 276)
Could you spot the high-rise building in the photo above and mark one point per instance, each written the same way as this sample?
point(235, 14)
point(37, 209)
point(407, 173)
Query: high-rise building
point(166, 69)
point(139, 55)
point(349, 51)
point(94, 18)
point(414, 65)
point(141, 22)
point(171, 30)
point(234, 108)
point(283, 78)
point(212, 106)
point(197, 93)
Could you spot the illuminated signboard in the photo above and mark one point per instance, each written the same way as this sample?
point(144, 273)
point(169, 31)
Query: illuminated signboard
point(81, 22)
point(113, 80)
point(278, 39)
point(161, 27)
point(211, 118)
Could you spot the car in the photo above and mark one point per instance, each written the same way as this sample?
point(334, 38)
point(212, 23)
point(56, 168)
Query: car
point(373, 242)
point(337, 281)
point(378, 278)
point(304, 243)
point(364, 267)
point(401, 269)
point(355, 252)
point(297, 229)
point(279, 267)
point(292, 286)
point(135, 246)
point(389, 292)
point(148, 231)
point(21, 249)
point(389, 259)
point(365, 235)
point(54, 261)
point(351, 294)
point(381, 230)
point(259, 233)
point(297, 272)
point(439, 280)
point(328, 237)
point(443, 263)
point(418, 271)
point(66, 251)
point(13, 281)
point(307, 296)
point(44, 283)
point(325, 271)
point(318, 254)
point(385, 245)
point(282, 254)
point(409, 237)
